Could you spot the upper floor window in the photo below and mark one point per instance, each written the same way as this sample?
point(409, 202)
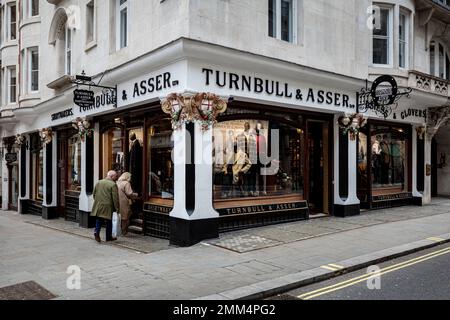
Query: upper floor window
point(90, 22)
point(439, 60)
point(11, 23)
point(32, 8)
point(122, 23)
point(68, 51)
point(382, 36)
point(403, 38)
point(283, 19)
point(33, 67)
point(12, 84)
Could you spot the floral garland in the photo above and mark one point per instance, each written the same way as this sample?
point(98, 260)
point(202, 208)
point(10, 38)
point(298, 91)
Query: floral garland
point(20, 140)
point(84, 128)
point(202, 107)
point(352, 124)
point(46, 135)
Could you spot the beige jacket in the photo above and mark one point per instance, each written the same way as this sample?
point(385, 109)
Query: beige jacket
point(126, 197)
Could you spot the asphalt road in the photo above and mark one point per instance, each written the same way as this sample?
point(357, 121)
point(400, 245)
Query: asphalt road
point(421, 276)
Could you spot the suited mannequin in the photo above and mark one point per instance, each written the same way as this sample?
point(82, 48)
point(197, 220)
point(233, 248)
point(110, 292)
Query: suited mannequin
point(135, 163)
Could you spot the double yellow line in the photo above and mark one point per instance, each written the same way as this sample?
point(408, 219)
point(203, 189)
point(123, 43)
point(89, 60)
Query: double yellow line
point(365, 277)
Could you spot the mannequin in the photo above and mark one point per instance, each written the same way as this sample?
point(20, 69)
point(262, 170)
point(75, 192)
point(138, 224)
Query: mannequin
point(135, 163)
point(246, 142)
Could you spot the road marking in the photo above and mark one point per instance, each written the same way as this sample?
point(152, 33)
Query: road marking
point(365, 277)
point(336, 266)
point(436, 239)
point(329, 268)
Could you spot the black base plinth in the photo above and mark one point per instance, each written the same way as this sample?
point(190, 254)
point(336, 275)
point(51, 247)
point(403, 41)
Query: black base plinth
point(23, 206)
point(86, 221)
point(418, 201)
point(347, 211)
point(49, 213)
point(185, 233)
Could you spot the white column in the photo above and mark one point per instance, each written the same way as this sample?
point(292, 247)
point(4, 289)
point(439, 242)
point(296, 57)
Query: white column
point(26, 173)
point(53, 167)
point(86, 201)
point(204, 174)
point(414, 151)
point(180, 137)
point(337, 198)
point(97, 151)
point(352, 173)
point(5, 184)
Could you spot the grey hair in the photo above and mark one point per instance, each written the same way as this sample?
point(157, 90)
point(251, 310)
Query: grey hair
point(111, 174)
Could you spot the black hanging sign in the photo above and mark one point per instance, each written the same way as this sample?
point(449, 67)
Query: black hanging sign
point(10, 157)
point(83, 98)
point(382, 98)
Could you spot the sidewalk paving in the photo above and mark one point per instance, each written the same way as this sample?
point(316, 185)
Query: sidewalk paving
point(239, 264)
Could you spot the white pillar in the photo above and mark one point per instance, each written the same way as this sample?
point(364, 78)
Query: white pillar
point(352, 173)
point(414, 153)
point(180, 137)
point(204, 174)
point(427, 193)
point(337, 198)
point(26, 173)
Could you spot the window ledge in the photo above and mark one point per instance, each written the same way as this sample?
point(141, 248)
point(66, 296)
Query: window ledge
point(91, 45)
point(61, 82)
point(7, 44)
point(30, 96)
point(29, 20)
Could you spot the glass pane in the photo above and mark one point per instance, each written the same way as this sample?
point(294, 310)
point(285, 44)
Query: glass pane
point(432, 59)
point(362, 167)
point(447, 67)
point(286, 20)
point(402, 28)
point(380, 51)
point(34, 7)
point(40, 181)
point(402, 55)
point(113, 151)
point(13, 22)
point(123, 28)
point(257, 158)
point(272, 18)
point(441, 61)
point(74, 164)
point(383, 28)
point(14, 186)
point(389, 160)
point(34, 70)
point(160, 147)
point(135, 156)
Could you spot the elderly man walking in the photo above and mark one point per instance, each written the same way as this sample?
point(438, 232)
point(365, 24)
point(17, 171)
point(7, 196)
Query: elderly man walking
point(106, 201)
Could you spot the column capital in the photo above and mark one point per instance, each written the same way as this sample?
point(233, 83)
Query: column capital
point(437, 117)
point(201, 107)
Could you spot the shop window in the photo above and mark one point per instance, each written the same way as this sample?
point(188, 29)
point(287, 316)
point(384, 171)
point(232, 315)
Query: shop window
point(74, 164)
point(389, 160)
point(257, 159)
point(113, 142)
point(160, 163)
point(37, 167)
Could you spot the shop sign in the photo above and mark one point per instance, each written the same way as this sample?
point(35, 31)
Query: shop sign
point(382, 98)
point(11, 157)
point(63, 114)
point(274, 88)
point(284, 207)
point(84, 98)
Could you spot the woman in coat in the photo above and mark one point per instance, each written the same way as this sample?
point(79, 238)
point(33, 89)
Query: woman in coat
point(126, 197)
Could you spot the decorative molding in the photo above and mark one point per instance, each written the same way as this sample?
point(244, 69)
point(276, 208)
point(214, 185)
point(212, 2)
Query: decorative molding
point(423, 82)
point(441, 87)
point(421, 132)
point(437, 117)
point(201, 107)
point(84, 128)
point(20, 140)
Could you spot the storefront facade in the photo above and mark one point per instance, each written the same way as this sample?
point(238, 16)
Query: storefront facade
point(214, 146)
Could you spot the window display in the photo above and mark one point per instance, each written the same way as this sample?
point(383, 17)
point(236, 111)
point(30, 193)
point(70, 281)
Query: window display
point(160, 164)
point(74, 164)
point(37, 166)
point(113, 150)
point(389, 158)
point(257, 158)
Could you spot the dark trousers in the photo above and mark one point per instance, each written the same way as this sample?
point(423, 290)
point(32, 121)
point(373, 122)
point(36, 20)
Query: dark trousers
point(98, 227)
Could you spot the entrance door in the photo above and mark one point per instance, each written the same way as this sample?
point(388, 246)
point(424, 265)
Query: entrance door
point(318, 166)
point(13, 186)
point(62, 172)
